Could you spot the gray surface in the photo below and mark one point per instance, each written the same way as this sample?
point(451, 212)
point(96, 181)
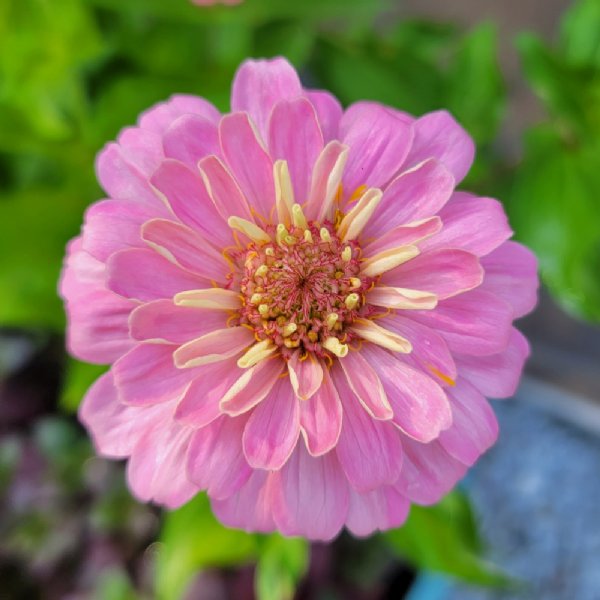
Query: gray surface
point(537, 495)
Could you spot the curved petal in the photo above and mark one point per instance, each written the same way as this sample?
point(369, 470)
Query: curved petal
point(416, 194)
point(477, 225)
point(259, 84)
point(369, 451)
point(366, 385)
point(511, 274)
point(163, 321)
point(310, 496)
point(475, 322)
point(404, 235)
point(321, 418)
point(146, 375)
point(379, 142)
point(306, 375)
point(381, 509)
point(272, 430)
point(249, 162)
point(142, 274)
point(295, 136)
point(159, 118)
point(497, 375)
point(421, 408)
point(474, 425)
point(329, 112)
point(141, 148)
point(215, 459)
point(191, 138)
point(442, 272)
point(250, 508)
point(438, 135)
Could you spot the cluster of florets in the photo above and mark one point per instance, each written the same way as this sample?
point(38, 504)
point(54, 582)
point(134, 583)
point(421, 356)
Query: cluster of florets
point(302, 290)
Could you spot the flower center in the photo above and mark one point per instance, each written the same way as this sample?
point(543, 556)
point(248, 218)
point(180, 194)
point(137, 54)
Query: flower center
point(302, 290)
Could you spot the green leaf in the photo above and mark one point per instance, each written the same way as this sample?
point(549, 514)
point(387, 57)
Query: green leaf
point(580, 33)
point(444, 538)
point(192, 540)
point(475, 85)
point(554, 209)
point(281, 565)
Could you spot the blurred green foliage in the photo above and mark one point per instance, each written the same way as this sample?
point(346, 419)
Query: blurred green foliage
point(73, 73)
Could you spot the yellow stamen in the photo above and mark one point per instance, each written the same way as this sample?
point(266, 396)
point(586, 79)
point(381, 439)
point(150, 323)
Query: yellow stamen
point(254, 232)
point(290, 240)
point(331, 320)
point(346, 254)
point(351, 301)
point(333, 345)
point(255, 299)
point(270, 252)
point(355, 282)
point(261, 271)
point(298, 217)
point(289, 329)
point(256, 353)
point(263, 309)
point(281, 233)
point(308, 236)
point(325, 235)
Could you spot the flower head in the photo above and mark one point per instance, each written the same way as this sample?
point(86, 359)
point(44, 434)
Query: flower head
point(302, 315)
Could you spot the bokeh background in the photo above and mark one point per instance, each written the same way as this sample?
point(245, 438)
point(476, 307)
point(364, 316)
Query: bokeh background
point(523, 76)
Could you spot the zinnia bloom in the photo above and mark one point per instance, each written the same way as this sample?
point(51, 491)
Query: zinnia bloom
point(302, 315)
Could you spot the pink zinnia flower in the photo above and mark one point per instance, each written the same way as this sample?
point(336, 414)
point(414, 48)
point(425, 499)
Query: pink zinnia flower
point(302, 315)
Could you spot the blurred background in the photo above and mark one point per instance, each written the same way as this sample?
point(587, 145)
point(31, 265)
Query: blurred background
point(523, 76)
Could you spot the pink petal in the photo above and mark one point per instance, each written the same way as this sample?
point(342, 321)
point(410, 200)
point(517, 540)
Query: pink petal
point(428, 472)
point(306, 375)
point(141, 148)
point(200, 404)
point(476, 322)
point(213, 347)
point(162, 320)
point(186, 248)
point(250, 508)
point(250, 164)
point(366, 385)
point(379, 142)
point(511, 274)
point(404, 235)
point(185, 193)
point(321, 418)
point(477, 225)
point(215, 460)
point(160, 117)
point(97, 329)
point(414, 195)
point(251, 386)
point(438, 135)
point(310, 496)
point(154, 470)
point(144, 275)
point(369, 451)
point(329, 112)
point(259, 84)
point(443, 272)
point(429, 350)
point(384, 508)
point(273, 428)
point(474, 425)
point(497, 375)
point(295, 136)
point(122, 180)
point(146, 375)
point(115, 427)
point(112, 225)
point(190, 138)
point(223, 189)
point(421, 408)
